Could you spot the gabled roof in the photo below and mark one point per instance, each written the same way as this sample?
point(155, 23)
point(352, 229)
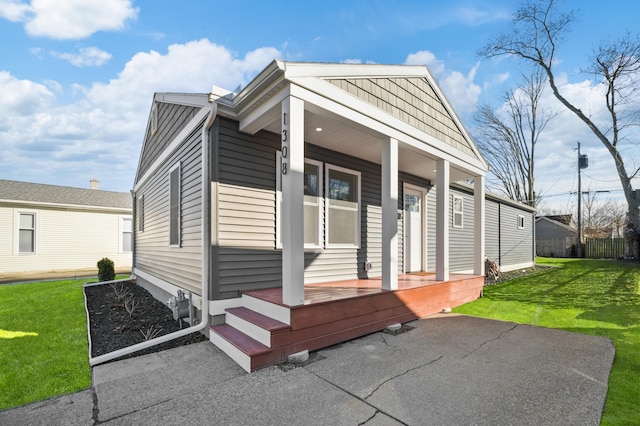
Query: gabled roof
point(15, 192)
point(557, 223)
point(565, 219)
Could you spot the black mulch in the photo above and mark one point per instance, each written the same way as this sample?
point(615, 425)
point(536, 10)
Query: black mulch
point(112, 327)
point(506, 276)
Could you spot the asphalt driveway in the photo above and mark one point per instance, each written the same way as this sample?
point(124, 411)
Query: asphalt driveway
point(448, 369)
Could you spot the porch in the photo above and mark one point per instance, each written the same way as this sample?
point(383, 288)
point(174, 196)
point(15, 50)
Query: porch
point(264, 331)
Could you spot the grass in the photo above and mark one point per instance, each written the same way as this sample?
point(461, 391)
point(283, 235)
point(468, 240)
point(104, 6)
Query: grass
point(43, 341)
point(595, 297)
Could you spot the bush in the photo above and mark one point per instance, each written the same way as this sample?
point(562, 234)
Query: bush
point(106, 270)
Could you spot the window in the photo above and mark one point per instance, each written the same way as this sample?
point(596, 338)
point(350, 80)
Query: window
point(140, 213)
point(174, 205)
point(457, 211)
point(342, 207)
point(520, 221)
point(26, 233)
point(126, 234)
point(312, 203)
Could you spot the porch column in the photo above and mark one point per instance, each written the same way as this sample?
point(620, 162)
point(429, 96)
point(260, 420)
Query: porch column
point(390, 214)
point(292, 225)
point(442, 220)
point(478, 225)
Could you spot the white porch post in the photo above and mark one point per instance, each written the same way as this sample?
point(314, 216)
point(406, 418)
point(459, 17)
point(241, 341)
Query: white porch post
point(292, 224)
point(390, 214)
point(478, 225)
point(442, 221)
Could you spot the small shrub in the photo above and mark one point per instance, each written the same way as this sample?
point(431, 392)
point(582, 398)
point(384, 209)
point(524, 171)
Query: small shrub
point(130, 304)
point(150, 333)
point(106, 270)
point(120, 291)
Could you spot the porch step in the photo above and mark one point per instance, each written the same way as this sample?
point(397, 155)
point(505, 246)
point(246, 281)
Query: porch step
point(262, 328)
point(268, 309)
point(241, 348)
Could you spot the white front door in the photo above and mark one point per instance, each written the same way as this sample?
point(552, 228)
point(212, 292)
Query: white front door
point(413, 231)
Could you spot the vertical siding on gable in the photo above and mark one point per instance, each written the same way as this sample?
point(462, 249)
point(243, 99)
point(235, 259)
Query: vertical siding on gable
point(181, 266)
point(516, 245)
point(171, 120)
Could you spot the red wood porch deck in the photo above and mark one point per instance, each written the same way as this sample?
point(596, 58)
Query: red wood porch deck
point(333, 313)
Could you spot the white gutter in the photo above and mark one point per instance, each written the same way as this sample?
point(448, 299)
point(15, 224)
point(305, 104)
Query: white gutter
point(205, 263)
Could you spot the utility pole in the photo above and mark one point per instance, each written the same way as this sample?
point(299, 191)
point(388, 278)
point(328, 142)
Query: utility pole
point(583, 163)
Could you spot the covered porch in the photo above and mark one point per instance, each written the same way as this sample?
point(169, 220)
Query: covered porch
point(264, 330)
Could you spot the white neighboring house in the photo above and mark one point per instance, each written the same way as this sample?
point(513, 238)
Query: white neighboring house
point(49, 231)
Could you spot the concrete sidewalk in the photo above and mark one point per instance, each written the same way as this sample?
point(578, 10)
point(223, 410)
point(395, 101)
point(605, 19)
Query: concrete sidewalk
point(449, 369)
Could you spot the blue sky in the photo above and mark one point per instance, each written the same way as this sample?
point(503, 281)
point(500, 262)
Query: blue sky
point(78, 76)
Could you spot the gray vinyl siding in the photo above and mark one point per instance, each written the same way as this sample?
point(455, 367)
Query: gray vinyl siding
point(247, 257)
point(181, 266)
point(461, 246)
point(516, 244)
point(492, 230)
point(171, 120)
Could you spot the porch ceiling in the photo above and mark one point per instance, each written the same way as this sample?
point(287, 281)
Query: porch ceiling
point(358, 141)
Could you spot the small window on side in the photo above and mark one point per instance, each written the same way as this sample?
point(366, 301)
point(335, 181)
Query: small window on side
point(520, 221)
point(458, 209)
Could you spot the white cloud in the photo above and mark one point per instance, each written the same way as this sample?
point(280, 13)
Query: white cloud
point(86, 57)
point(459, 88)
point(69, 19)
point(101, 134)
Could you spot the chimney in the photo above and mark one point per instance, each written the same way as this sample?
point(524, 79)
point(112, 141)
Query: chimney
point(95, 184)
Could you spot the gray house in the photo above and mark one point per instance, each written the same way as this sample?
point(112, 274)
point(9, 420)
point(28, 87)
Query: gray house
point(319, 203)
point(556, 236)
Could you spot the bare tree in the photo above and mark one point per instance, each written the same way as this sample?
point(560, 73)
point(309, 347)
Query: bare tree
point(508, 137)
point(537, 30)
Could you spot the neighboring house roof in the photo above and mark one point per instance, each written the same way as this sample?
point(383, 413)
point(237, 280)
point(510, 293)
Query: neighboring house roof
point(565, 219)
point(15, 192)
point(557, 223)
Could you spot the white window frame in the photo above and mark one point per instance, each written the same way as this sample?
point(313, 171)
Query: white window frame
point(456, 213)
point(121, 231)
point(179, 211)
point(16, 239)
point(521, 222)
point(328, 207)
point(320, 199)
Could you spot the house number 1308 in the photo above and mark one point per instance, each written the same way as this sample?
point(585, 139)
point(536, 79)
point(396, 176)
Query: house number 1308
point(285, 144)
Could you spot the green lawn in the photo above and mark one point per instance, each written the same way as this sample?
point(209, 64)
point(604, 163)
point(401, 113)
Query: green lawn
point(43, 341)
point(596, 297)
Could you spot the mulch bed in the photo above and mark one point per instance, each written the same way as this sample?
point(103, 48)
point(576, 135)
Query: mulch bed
point(506, 276)
point(112, 327)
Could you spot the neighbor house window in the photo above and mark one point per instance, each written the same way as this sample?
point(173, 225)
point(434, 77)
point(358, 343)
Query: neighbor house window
point(457, 211)
point(126, 234)
point(312, 203)
point(26, 233)
point(174, 205)
point(520, 221)
point(342, 207)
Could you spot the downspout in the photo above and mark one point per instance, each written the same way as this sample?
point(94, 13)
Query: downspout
point(205, 260)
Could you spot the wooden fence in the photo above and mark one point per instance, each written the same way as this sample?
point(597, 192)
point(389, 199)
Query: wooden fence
point(604, 248)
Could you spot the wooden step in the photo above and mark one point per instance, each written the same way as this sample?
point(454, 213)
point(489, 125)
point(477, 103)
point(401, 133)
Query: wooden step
point(266, 308)
point(266, 330)
point(240, 347)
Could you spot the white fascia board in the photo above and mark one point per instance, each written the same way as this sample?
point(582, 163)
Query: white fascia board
point(354, 109)
point(264, 114)
point(188, 99)
point(35, 204)
point(196, 121)
point(333, 70)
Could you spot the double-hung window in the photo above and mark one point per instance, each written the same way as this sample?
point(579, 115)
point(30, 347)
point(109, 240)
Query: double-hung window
point(126, 234)
point(342, 210)
point(26, 233)
point(174, 205)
